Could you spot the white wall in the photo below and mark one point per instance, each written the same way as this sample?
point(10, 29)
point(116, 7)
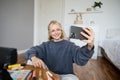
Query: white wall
point(109, 18)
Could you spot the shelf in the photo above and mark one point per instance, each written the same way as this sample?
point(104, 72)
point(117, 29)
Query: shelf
point(87, 12)
point(79, 15)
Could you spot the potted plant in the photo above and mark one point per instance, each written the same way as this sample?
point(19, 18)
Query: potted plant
point(97, 5)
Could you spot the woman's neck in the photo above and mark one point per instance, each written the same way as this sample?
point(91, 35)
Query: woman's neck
point(57, 40)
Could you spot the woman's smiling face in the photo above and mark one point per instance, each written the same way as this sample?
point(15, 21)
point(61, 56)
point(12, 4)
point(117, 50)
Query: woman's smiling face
point(55, 31)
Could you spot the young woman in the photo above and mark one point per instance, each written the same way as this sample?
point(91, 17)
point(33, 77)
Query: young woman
point(60, 54)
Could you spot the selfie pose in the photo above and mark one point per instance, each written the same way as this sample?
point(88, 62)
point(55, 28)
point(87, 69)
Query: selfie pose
point(59, 54)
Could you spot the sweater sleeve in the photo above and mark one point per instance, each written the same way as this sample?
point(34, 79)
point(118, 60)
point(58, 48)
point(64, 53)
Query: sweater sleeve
point(37, 51)
point(82, 55)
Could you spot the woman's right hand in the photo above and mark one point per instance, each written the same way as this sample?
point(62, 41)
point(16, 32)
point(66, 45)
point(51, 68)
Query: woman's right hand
point(37, 62)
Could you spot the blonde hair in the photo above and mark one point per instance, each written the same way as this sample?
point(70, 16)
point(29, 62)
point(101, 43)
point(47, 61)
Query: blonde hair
point(54, 22)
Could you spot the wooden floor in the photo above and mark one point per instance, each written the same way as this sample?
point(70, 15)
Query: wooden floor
point(99, 69)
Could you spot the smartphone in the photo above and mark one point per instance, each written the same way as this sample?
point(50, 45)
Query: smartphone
point(75, 33)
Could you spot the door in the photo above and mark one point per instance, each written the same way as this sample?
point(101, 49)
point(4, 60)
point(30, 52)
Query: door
point(47, 10)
